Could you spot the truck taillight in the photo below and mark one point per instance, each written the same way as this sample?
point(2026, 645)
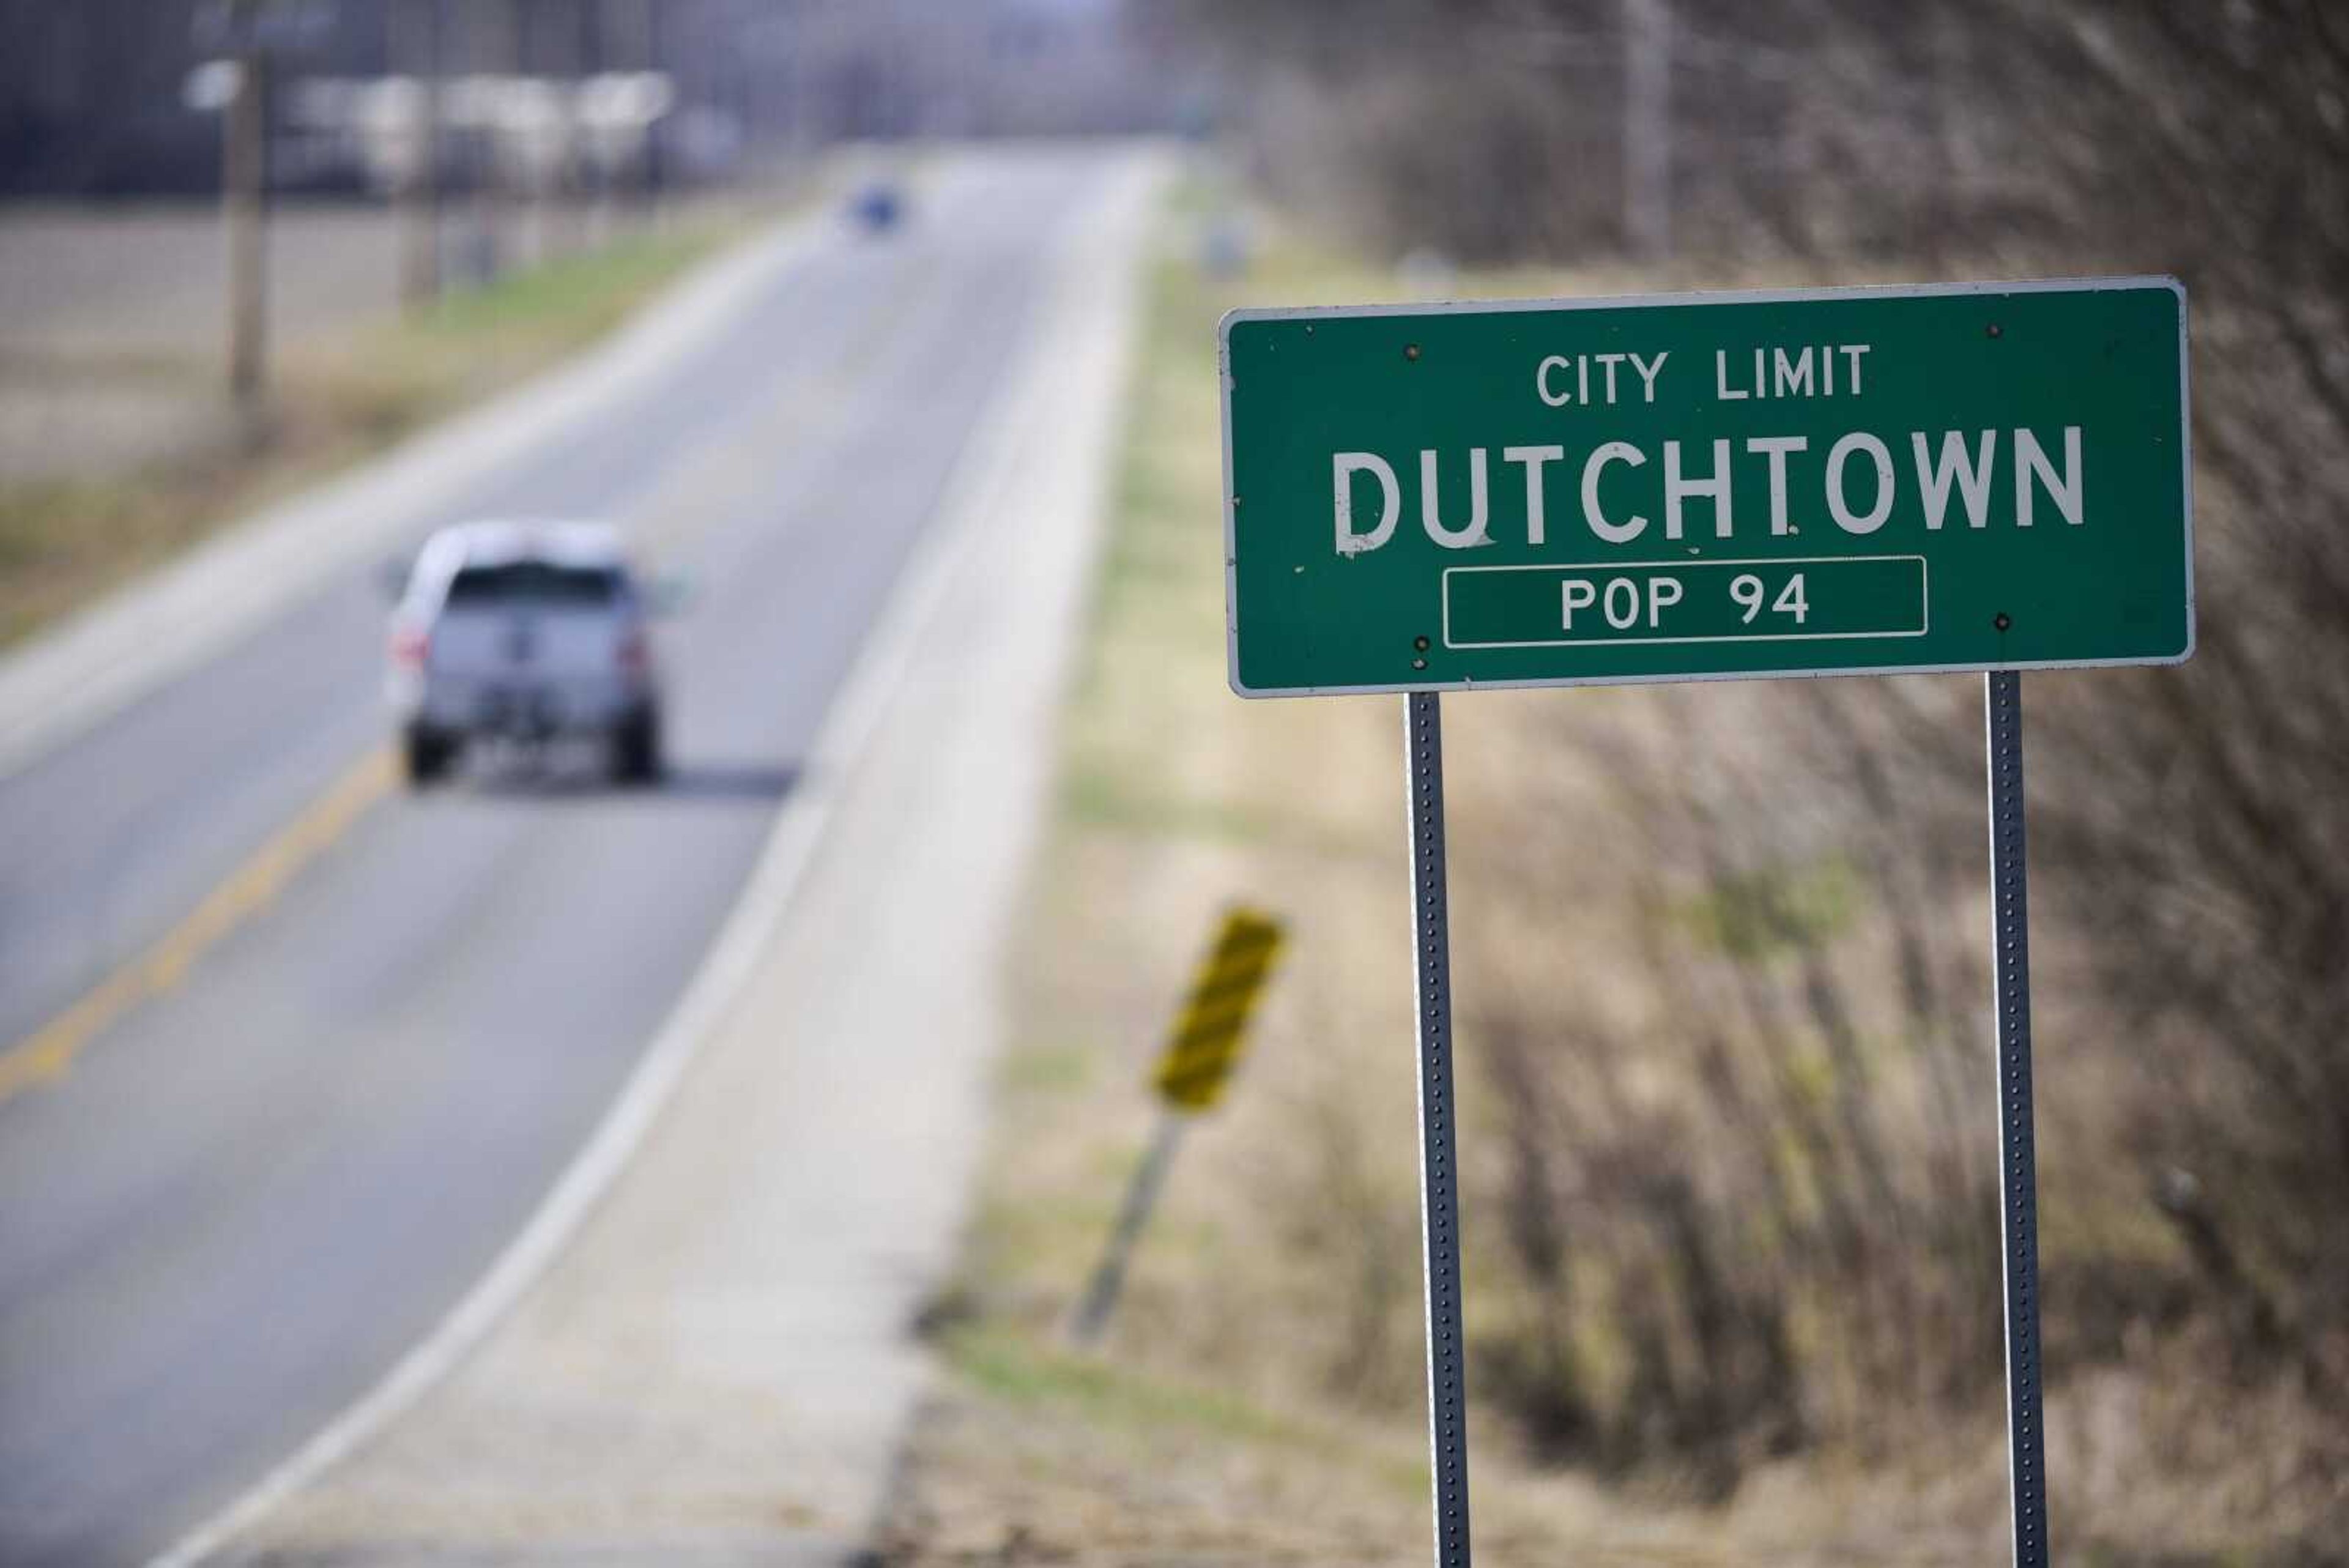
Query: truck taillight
point(636, 655)
point(409, 645)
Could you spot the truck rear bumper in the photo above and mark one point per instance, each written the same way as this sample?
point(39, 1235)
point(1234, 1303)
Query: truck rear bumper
point(523, 710)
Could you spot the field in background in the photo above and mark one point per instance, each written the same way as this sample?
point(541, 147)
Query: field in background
point(119, 445)
point(1677, 917)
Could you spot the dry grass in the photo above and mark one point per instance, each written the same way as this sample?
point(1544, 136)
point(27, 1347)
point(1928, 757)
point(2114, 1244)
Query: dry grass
point(340, 397)
point(1259, 1397)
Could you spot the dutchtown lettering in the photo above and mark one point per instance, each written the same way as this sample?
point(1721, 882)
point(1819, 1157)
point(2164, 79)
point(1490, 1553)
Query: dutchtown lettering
point(1624, 493)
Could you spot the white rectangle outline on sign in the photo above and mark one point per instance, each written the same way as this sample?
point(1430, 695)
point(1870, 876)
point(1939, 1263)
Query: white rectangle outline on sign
point(1924, 601)
point(1699, 297)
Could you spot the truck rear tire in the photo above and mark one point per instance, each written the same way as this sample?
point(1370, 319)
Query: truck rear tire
point(425, 757)
point(636, 749)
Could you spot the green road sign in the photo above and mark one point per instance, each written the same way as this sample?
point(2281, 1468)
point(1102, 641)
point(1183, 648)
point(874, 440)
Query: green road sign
point(1967, 476)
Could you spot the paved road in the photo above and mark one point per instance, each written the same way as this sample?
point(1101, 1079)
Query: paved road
point(252, 1191)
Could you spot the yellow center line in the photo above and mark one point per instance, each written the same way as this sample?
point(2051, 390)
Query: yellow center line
point(48, 1052)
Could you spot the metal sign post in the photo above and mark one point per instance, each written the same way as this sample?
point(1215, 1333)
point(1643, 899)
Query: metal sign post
point(2017, 1158)
point(1439, 1186)
point(1140, 1197)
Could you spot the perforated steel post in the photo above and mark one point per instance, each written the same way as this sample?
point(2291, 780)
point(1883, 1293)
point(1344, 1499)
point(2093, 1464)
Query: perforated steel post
point(2017, 1158)
point(1140, 1197)
point(1447, 1407)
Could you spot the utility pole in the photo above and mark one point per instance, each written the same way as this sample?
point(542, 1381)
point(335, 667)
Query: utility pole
point(591, 165)
point(1648, 128)
point(244, 209)
point(576, 63)
point(654, 41)
point(420, 277)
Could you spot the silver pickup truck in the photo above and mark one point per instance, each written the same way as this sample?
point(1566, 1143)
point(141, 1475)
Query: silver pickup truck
point(524, 632)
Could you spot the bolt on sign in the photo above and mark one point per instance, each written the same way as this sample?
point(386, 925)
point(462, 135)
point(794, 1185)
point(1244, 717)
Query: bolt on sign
point(1583, 491)
point(1211, 1030)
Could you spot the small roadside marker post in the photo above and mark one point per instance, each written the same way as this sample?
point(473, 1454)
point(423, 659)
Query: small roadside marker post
point(1962, 477)
point(1140, 1197)
point(1192, 1072)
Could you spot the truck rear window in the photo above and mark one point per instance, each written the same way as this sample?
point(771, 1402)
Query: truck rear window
point(534, 583)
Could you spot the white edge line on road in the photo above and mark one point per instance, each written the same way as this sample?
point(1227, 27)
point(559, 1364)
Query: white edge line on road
point(971, 494)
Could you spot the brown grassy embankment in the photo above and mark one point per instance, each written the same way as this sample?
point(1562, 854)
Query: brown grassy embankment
point(342, 393)
point(1728, 1102)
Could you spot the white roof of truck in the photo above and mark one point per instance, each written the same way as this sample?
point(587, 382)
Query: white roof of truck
point(497, 543)
point(585, 546)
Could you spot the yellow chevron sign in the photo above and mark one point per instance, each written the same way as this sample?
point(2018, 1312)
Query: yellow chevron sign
point(1212, 1029)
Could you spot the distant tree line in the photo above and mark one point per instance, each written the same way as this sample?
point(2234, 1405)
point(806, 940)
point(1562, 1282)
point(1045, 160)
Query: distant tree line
point(91, 90)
